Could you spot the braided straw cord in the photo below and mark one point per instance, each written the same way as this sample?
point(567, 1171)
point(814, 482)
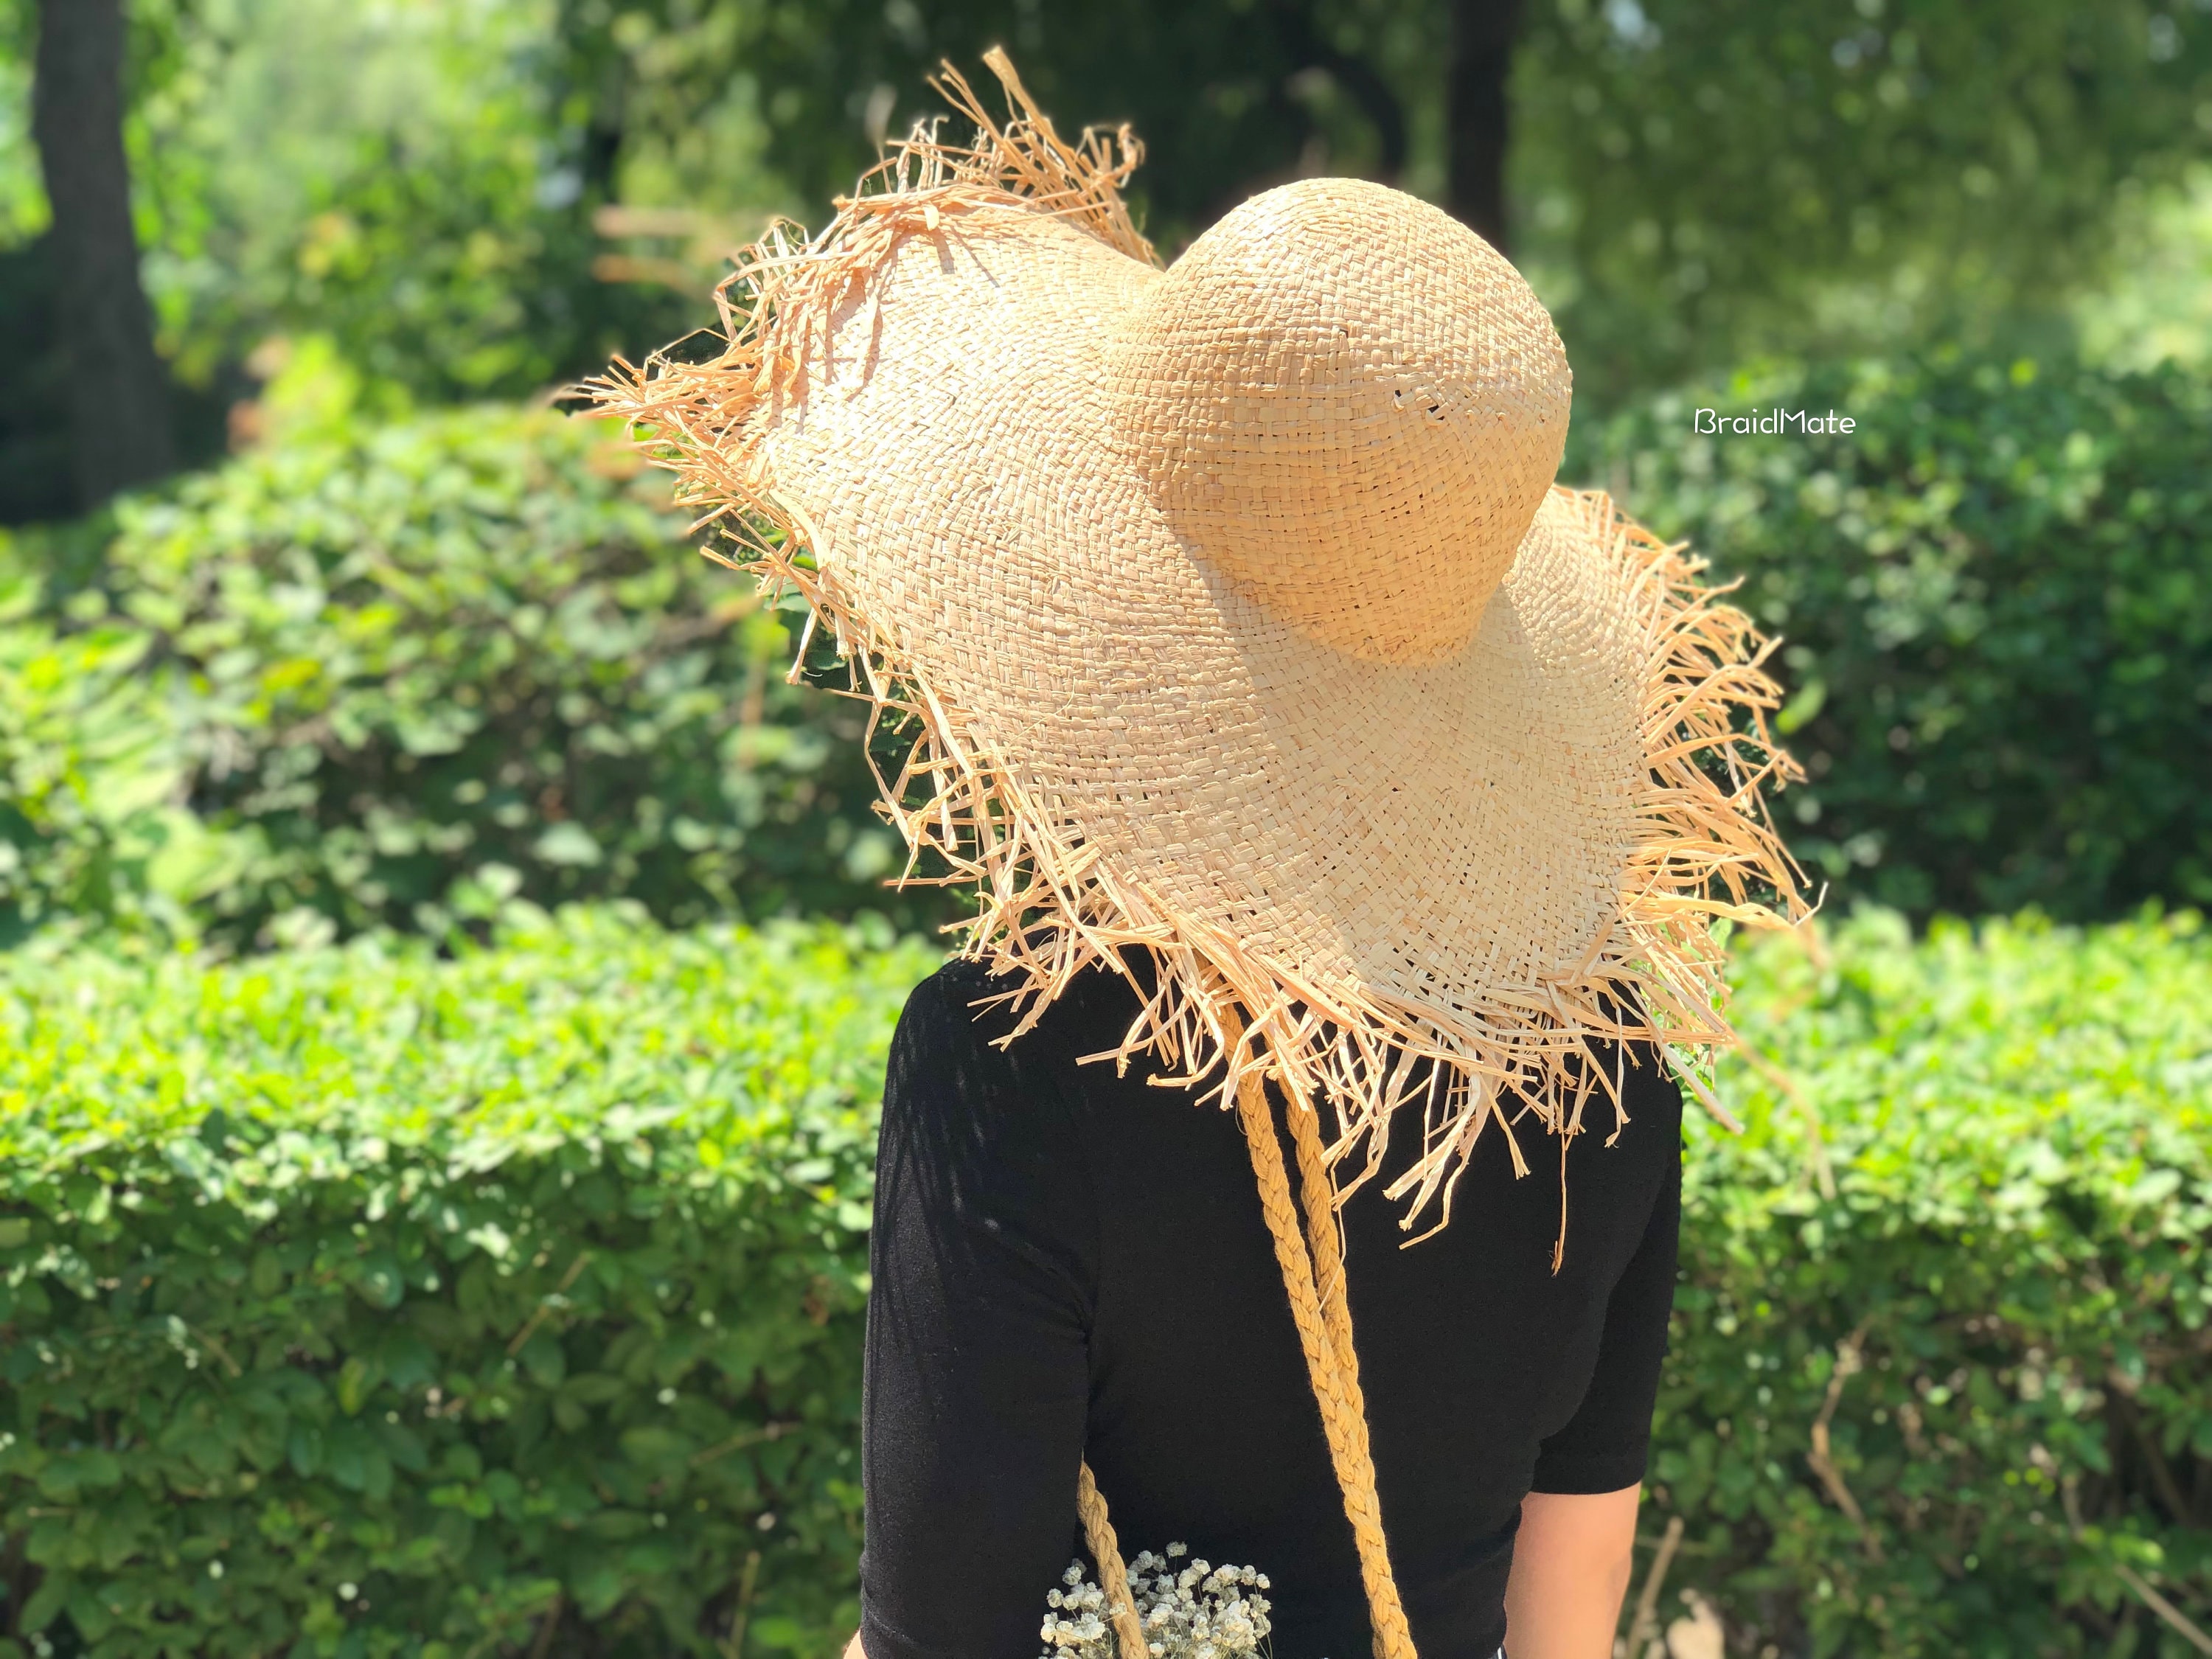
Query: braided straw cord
point(1312, 1265)
point(1343, 1417)
point(1325, 1240)
point(1112, 1571)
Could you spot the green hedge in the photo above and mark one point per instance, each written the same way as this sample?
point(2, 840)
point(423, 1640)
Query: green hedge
point(2017, 1131)
point(1996, 594)
point(400, 676)
point(432, 1300)
point(356, 1303)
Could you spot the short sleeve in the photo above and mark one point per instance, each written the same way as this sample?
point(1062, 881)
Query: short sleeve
point(975, 1389)
point(1605, 1445)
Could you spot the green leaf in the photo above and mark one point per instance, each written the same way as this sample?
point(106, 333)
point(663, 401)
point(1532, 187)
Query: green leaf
point(567, 843)
point(355, 1380)
point(54, 1592)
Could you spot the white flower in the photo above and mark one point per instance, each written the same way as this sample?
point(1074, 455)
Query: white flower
point(1200, 1612)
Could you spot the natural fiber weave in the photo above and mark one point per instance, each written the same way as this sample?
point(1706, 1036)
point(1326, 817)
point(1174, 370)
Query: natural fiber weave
point(1334, 380)
point(1238, 625)
point(1398, 808)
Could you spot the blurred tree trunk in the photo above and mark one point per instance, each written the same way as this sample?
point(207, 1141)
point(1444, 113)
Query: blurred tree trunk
point(117, 389)
point(1482, 36)
point(1308, 46)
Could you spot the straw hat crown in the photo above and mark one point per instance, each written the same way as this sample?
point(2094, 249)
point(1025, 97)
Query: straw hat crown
point(1351, 406)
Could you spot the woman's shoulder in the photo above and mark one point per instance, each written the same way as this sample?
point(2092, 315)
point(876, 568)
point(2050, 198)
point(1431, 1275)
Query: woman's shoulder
point(963, 1072)
point(965, 1014)
point(984, 1129)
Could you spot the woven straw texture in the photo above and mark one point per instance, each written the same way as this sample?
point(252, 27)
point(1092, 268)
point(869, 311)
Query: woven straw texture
point(1236, 619)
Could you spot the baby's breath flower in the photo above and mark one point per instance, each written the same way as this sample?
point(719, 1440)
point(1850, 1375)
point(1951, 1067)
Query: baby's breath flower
point(1200, 1612)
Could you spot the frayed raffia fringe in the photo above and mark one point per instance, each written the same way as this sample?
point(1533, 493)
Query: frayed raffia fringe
point(1049, 908)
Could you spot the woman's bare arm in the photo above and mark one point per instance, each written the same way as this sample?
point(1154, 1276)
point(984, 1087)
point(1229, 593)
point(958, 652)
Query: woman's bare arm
point(853, 1649)
point(1572, 1561)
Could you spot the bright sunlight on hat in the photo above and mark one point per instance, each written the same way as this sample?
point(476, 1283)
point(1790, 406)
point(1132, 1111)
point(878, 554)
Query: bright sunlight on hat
point(1238, 621)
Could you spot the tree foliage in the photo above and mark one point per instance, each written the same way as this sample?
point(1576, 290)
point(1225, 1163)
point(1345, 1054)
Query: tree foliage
point(1710, 179)
point(400, 179)
point(1228, 97)
point(1693, 180)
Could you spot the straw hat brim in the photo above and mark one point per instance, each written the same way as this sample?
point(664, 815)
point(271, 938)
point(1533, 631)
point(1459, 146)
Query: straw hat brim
point(1488, 861)
point(1427, 837)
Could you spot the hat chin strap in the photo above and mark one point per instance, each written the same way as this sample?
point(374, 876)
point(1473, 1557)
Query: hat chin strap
point(1312, 1264)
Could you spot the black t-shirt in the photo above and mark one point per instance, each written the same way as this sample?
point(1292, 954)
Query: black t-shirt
point(1068, 1264)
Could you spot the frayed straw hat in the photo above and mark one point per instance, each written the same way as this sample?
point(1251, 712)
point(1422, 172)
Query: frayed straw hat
point(1238, 623)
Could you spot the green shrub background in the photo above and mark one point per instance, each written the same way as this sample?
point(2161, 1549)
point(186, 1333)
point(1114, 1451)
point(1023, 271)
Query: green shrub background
point(2017, 1131)
point(357, 1302)
point(405, 674)
point(1996, 597)
point(430, 1300)
point(402, 674)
